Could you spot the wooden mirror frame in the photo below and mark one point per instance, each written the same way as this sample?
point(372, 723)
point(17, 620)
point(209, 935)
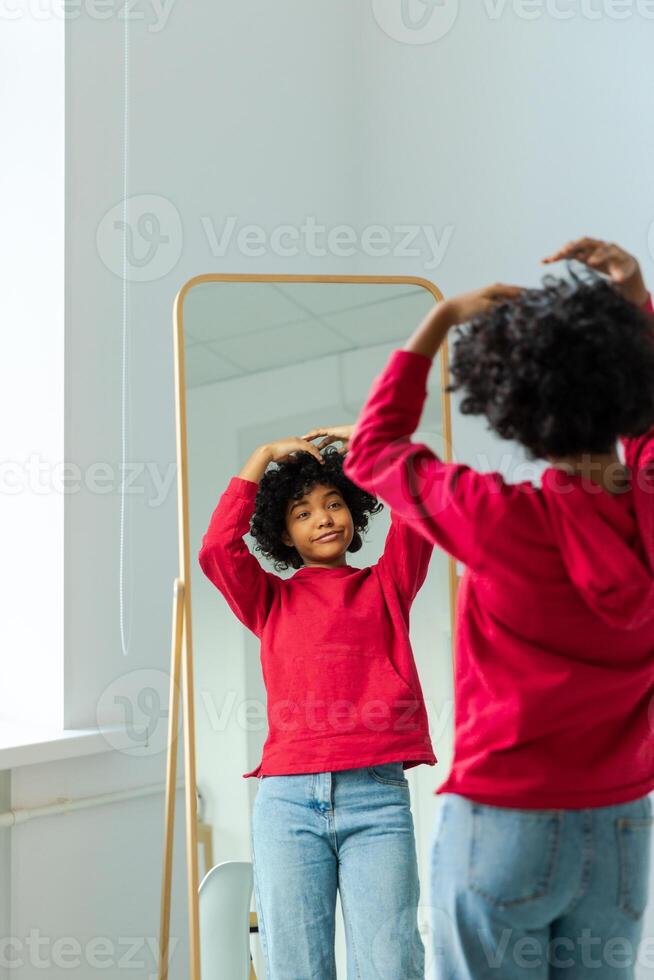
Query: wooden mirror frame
point(181, 675)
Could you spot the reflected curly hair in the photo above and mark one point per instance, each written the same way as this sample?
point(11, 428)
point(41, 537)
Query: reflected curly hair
point(564, 369)
point(290, 480)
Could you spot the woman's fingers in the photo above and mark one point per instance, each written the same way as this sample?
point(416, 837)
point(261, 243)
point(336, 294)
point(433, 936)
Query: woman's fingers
point(503, 291)
point(301, 446)
point(309, 447)
point(330, 436)
point(574, 249)
point(600, 257)
point(316, 433)
point(604, 257)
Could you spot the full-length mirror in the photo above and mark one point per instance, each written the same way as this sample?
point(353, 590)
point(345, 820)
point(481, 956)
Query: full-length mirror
point(260, 362)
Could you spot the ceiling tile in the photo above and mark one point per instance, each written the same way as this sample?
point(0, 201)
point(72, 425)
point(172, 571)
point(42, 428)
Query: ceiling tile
point(320, 297)
point(278, 346)
point(377, 323)
point(216, 310)
point(203, 366)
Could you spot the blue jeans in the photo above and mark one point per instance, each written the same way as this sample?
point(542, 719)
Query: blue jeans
point(544, 894)
point(349, 831)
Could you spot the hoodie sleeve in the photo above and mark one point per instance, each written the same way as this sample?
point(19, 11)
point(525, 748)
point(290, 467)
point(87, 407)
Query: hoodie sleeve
point(639, 450)
point(447, 503)
point(406, 556)
point(228, 562)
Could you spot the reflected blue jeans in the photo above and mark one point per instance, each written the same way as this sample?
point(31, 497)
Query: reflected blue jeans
point(349, 831)
point(544, 894)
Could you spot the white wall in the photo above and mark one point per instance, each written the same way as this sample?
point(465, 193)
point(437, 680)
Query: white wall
point(499, 129)
point(5, 867)
point(87, 884)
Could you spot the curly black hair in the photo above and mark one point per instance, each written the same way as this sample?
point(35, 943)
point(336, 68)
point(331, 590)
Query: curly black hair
point(290, 480)
point(564, 369)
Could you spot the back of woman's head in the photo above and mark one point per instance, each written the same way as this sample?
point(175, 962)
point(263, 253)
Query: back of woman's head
point(565, 369)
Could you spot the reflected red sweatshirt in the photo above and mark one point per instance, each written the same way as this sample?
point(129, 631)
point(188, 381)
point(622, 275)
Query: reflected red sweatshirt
point(554, 676)
point(341, 682)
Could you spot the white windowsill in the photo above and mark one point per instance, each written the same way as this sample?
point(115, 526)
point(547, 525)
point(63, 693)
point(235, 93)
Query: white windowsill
point(24, 745)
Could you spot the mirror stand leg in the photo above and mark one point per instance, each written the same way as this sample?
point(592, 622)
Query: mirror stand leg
point(171, 775)
point(190, 791)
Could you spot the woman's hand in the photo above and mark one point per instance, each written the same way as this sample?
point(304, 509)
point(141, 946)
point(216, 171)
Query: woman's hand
point(429, 335)
point(333, 433)
point(275, 452)
point(281, 450)
point(611, 260)
point(460, 309)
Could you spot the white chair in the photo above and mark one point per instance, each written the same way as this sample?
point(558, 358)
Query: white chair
point(224, 900)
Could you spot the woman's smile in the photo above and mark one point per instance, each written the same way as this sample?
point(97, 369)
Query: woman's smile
point(328, 536)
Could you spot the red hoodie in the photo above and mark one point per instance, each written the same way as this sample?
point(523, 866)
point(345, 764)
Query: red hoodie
point(341, 682)
point(554, 679)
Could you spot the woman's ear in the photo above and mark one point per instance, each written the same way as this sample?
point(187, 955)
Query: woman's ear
point(356, 543)
point(287, 540)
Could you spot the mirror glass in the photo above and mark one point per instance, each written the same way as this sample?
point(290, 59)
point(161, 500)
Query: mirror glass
point(264, 361)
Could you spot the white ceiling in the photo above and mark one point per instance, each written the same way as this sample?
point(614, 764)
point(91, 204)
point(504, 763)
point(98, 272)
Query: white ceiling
point(236, 329)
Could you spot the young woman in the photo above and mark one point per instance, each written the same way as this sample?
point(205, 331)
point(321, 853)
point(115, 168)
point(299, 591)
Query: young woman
point(540, 859)
point(345, 710)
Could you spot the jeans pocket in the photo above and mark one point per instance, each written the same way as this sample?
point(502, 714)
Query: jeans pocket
point(634, 841)
point(513, 854)
point(391, 773)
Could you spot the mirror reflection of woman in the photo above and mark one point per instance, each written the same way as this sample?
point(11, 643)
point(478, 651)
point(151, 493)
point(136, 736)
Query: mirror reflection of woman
point(346, 713)
point(541, 848)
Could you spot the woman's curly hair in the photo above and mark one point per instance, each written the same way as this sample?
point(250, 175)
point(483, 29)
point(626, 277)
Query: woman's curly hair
point(290, 481)
point(564, 369)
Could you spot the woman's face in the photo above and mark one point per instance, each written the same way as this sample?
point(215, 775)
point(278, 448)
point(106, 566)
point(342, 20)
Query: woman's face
point(319, 525)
